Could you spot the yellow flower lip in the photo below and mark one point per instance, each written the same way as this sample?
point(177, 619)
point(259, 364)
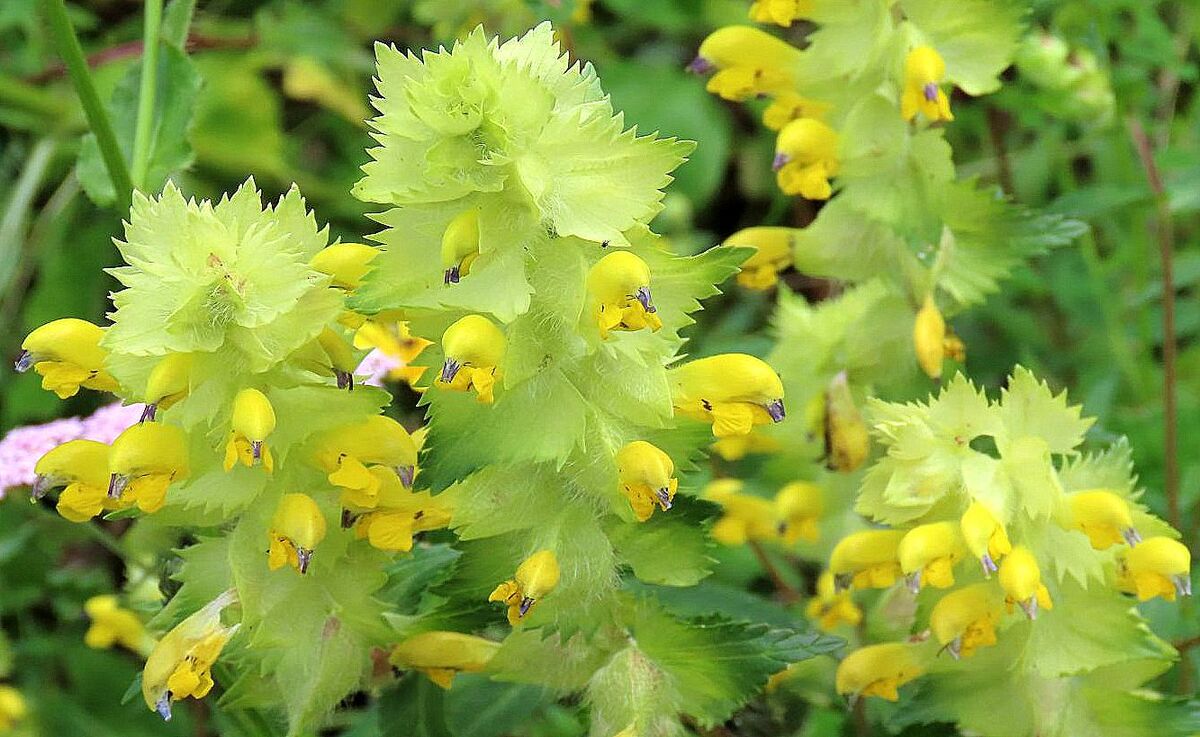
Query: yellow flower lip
point(535, 578)
point(1104, 517)
point(877, 670)
point(1159, 566)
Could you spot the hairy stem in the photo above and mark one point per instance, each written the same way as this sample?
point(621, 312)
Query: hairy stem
point(68, 47)
point(785, 590)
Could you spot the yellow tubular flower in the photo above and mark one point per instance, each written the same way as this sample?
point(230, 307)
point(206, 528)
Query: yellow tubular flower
point(830, 607)
point(619, 288)
point(733, 391)
point(460, 245)
point(772, 254)
point(1104, 517)
point(1021, 580)
point(647, 478)
point(397, 514)
point(984, 536)
point(12, 708)
point(966, 619)
point(798, 508)
point(345, 452)
point(341, 358)
point(347, 263)
point(81, 467)
point(866, 560)
point(66, 353)
point(737, 447)
point(924, 71)
point(928, 554)
point(1158, 566)
point(878, 670)
point(296, 529)
point(443, 655)
point(847, 440)
point(748, 63)
point(180, 664)
point(113, 625)
point(536, 577)
point(781, 12)
point(169, 382)
point(144, 461)
point(743, 517)
point(253, 421)
point(395, 341)
point(806, 157)
point(929, 336)
point(789, 106)
point(473, 348)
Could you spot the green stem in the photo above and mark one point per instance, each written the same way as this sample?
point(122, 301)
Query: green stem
point(16, 212)
point(68, 47)
point(145, 113)
point(93, 531)
point(28, 97)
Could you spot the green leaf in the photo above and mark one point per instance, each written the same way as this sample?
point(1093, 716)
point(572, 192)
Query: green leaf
point(1028, 408)
point(478, 707)
point(178, 86)
point(416, 707)
point(670, 549)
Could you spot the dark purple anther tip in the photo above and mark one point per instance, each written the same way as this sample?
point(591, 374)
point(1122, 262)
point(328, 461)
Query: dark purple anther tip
point(664, 498)
point(1131, 536)
point(41, 485)
point(842, 581)
point(700, 65)
point(406, 474)
point(780, 161)
point(449, 370)
point(451, 275)
point(116, 485)
point(989, 565)
point(1183, 584)
point(776, 411)
point(149, 412)
point(24, 362)
point(523, 607)
point(643, 296)
point(931, 92)
point(345, 379)
point(303, 558)
point(163, 706)
point(348, 519)
point(256, 450)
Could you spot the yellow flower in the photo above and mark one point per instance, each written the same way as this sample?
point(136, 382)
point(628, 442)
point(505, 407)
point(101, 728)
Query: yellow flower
point(928, 554)
point(473, 349)
point(460, 245)
point(180, 664)
point(806, 157)
point(253, 421)
point(781, 12)
point(397, 514)
point(81, 466)
point(847, 441)
point(1021, 580)
point(619, 288)
point(346, 263)
point(984, 536)
point(169, 382)
point(772, 254)
point(443, 655)
point(736, 447)
point(830, 607)
point(1158, 566)
point(345, 452)
point(1104, 517)
point(867, 559)
point(395, 341)
point(789, 106)
point(144, 461)
point(340, 357)
point(966, 619)
point(12, 708)
point(743, 517)
point(878, 670)
point(733, 391)
point(748, 63)
point(114, 625)
point(647, 478)
point(536, 577)
point(296, 529)
point(924, 71)
point(929, 338)
point(66, 353)
point(798, 508)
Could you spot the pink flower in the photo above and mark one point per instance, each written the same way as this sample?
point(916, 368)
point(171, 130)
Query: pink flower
point(23, 446)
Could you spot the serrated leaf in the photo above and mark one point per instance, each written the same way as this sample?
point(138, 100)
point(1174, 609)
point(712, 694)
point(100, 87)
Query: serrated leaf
point(1028, 408)
point(976, 38)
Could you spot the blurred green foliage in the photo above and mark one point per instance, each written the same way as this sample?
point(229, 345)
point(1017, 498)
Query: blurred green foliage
point(279, 89)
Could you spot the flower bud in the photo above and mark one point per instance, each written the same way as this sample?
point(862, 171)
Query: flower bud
point(346, 263)
point(929, 336)
point(847, 441)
